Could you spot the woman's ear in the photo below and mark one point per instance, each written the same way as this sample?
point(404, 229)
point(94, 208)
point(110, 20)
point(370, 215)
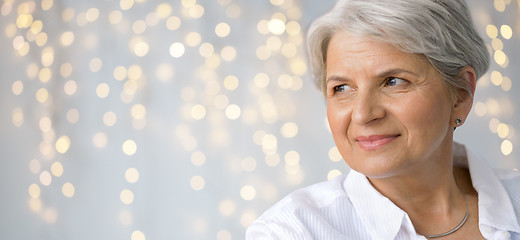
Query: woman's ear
point(464, 99)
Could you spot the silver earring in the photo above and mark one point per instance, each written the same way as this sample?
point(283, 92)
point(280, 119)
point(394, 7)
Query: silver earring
point(458, 121)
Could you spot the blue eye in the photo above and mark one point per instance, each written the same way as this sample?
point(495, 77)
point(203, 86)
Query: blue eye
point(341, 88)
point(393, 81)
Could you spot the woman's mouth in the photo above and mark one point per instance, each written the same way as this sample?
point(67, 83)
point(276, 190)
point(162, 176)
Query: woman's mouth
point(375, 142)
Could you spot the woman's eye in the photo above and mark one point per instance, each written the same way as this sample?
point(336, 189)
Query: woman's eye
point(393, 81)
point(341, 88)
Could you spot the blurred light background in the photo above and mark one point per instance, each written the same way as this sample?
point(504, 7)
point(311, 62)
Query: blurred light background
point(144, 119)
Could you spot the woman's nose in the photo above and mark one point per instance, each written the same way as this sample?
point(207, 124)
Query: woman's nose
point(367, 108)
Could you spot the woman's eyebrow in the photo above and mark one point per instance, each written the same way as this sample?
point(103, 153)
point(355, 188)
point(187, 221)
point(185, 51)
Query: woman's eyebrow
point(334, 78)
point(395, 71)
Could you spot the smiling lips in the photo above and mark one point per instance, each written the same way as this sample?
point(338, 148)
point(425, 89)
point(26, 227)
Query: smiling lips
point(375, 142)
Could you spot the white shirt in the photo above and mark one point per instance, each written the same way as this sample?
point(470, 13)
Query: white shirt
point(348, 207)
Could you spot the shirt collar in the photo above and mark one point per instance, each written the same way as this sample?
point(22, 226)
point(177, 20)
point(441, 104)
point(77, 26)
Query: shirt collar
point(494, 205)
point(381, 217)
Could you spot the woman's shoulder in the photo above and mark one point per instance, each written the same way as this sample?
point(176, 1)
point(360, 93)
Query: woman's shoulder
point(298, 212)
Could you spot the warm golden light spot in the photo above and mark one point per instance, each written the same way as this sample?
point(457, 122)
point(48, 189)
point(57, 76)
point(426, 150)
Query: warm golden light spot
point(132, 175)
point(46, 148)
point(506, 31)
point(129, 147)
point(274, 43)
point(63, 144)
point(261, 80)
point(497, 44)
point(70, 87)
point(45, 124)
point(68, 14)
point(152, 19)
point(276, 26)
point(212, 61)
point(47, 57)
point(198, 112)
point(126, 196)
point(506, 147)
point(47, 4)
point(247, 218)
point(109, 119)
point(206, 49)
point(66, 69)
point(228, 53)
point(141, 49)
point(196, 11)
point(493, 106)
point(502, 130)
point(120, 73)
point(269, 144)
point(289, 130)
point(198, 158)
point(35, 204)
point(333, 174)
point(24, 21)
point(50, 216)
point(18, 42)
point(227, 207)
point(500, 5)
point(197, 183)
point(100, 140)
point(248, 164)
point(126, 4)
point(41, 39)
point(248, 192)
point(68, 190)
point(73, 115)
point(500, 57)
point(231, 82)
point(493, 125)
point(164, 72)
point(193, 39)
point(139, 27)
point(138, 111)
point(36, 27)
point(35, 166)
point(293, 28)
point(223, 235)
point(115, 17)
point(292, 158)
point(173, 23)
point(285, 81)
point(45, 178)
point(24, 50)
point(272, 160)
point(137, 235)
point(480, 109)
point(492, 31)
point(42, 95)
point(57, 169)
point(263, 27)
point(164, 10)
point(233, 112)
point(177, 50)
point(34, 191)
point(102, 90)
point(95, 64)
point(188, 3)
point(297, 83)
point(289, 50)
point(496, 78)
point(277, 2)
point(221, 101)
point(17, 87)
point(298, 67)
point(222, 29)
point(92, 14)
point(507, 84)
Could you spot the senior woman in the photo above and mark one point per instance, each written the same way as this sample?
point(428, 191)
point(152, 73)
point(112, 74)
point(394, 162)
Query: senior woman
point(399, 78)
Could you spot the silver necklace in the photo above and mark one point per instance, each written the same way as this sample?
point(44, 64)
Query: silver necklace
point(460, 224)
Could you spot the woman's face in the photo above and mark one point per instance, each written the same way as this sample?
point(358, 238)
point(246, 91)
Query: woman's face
point(389, 111)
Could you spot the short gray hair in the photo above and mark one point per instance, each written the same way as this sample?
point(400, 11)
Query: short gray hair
point(441, 30)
